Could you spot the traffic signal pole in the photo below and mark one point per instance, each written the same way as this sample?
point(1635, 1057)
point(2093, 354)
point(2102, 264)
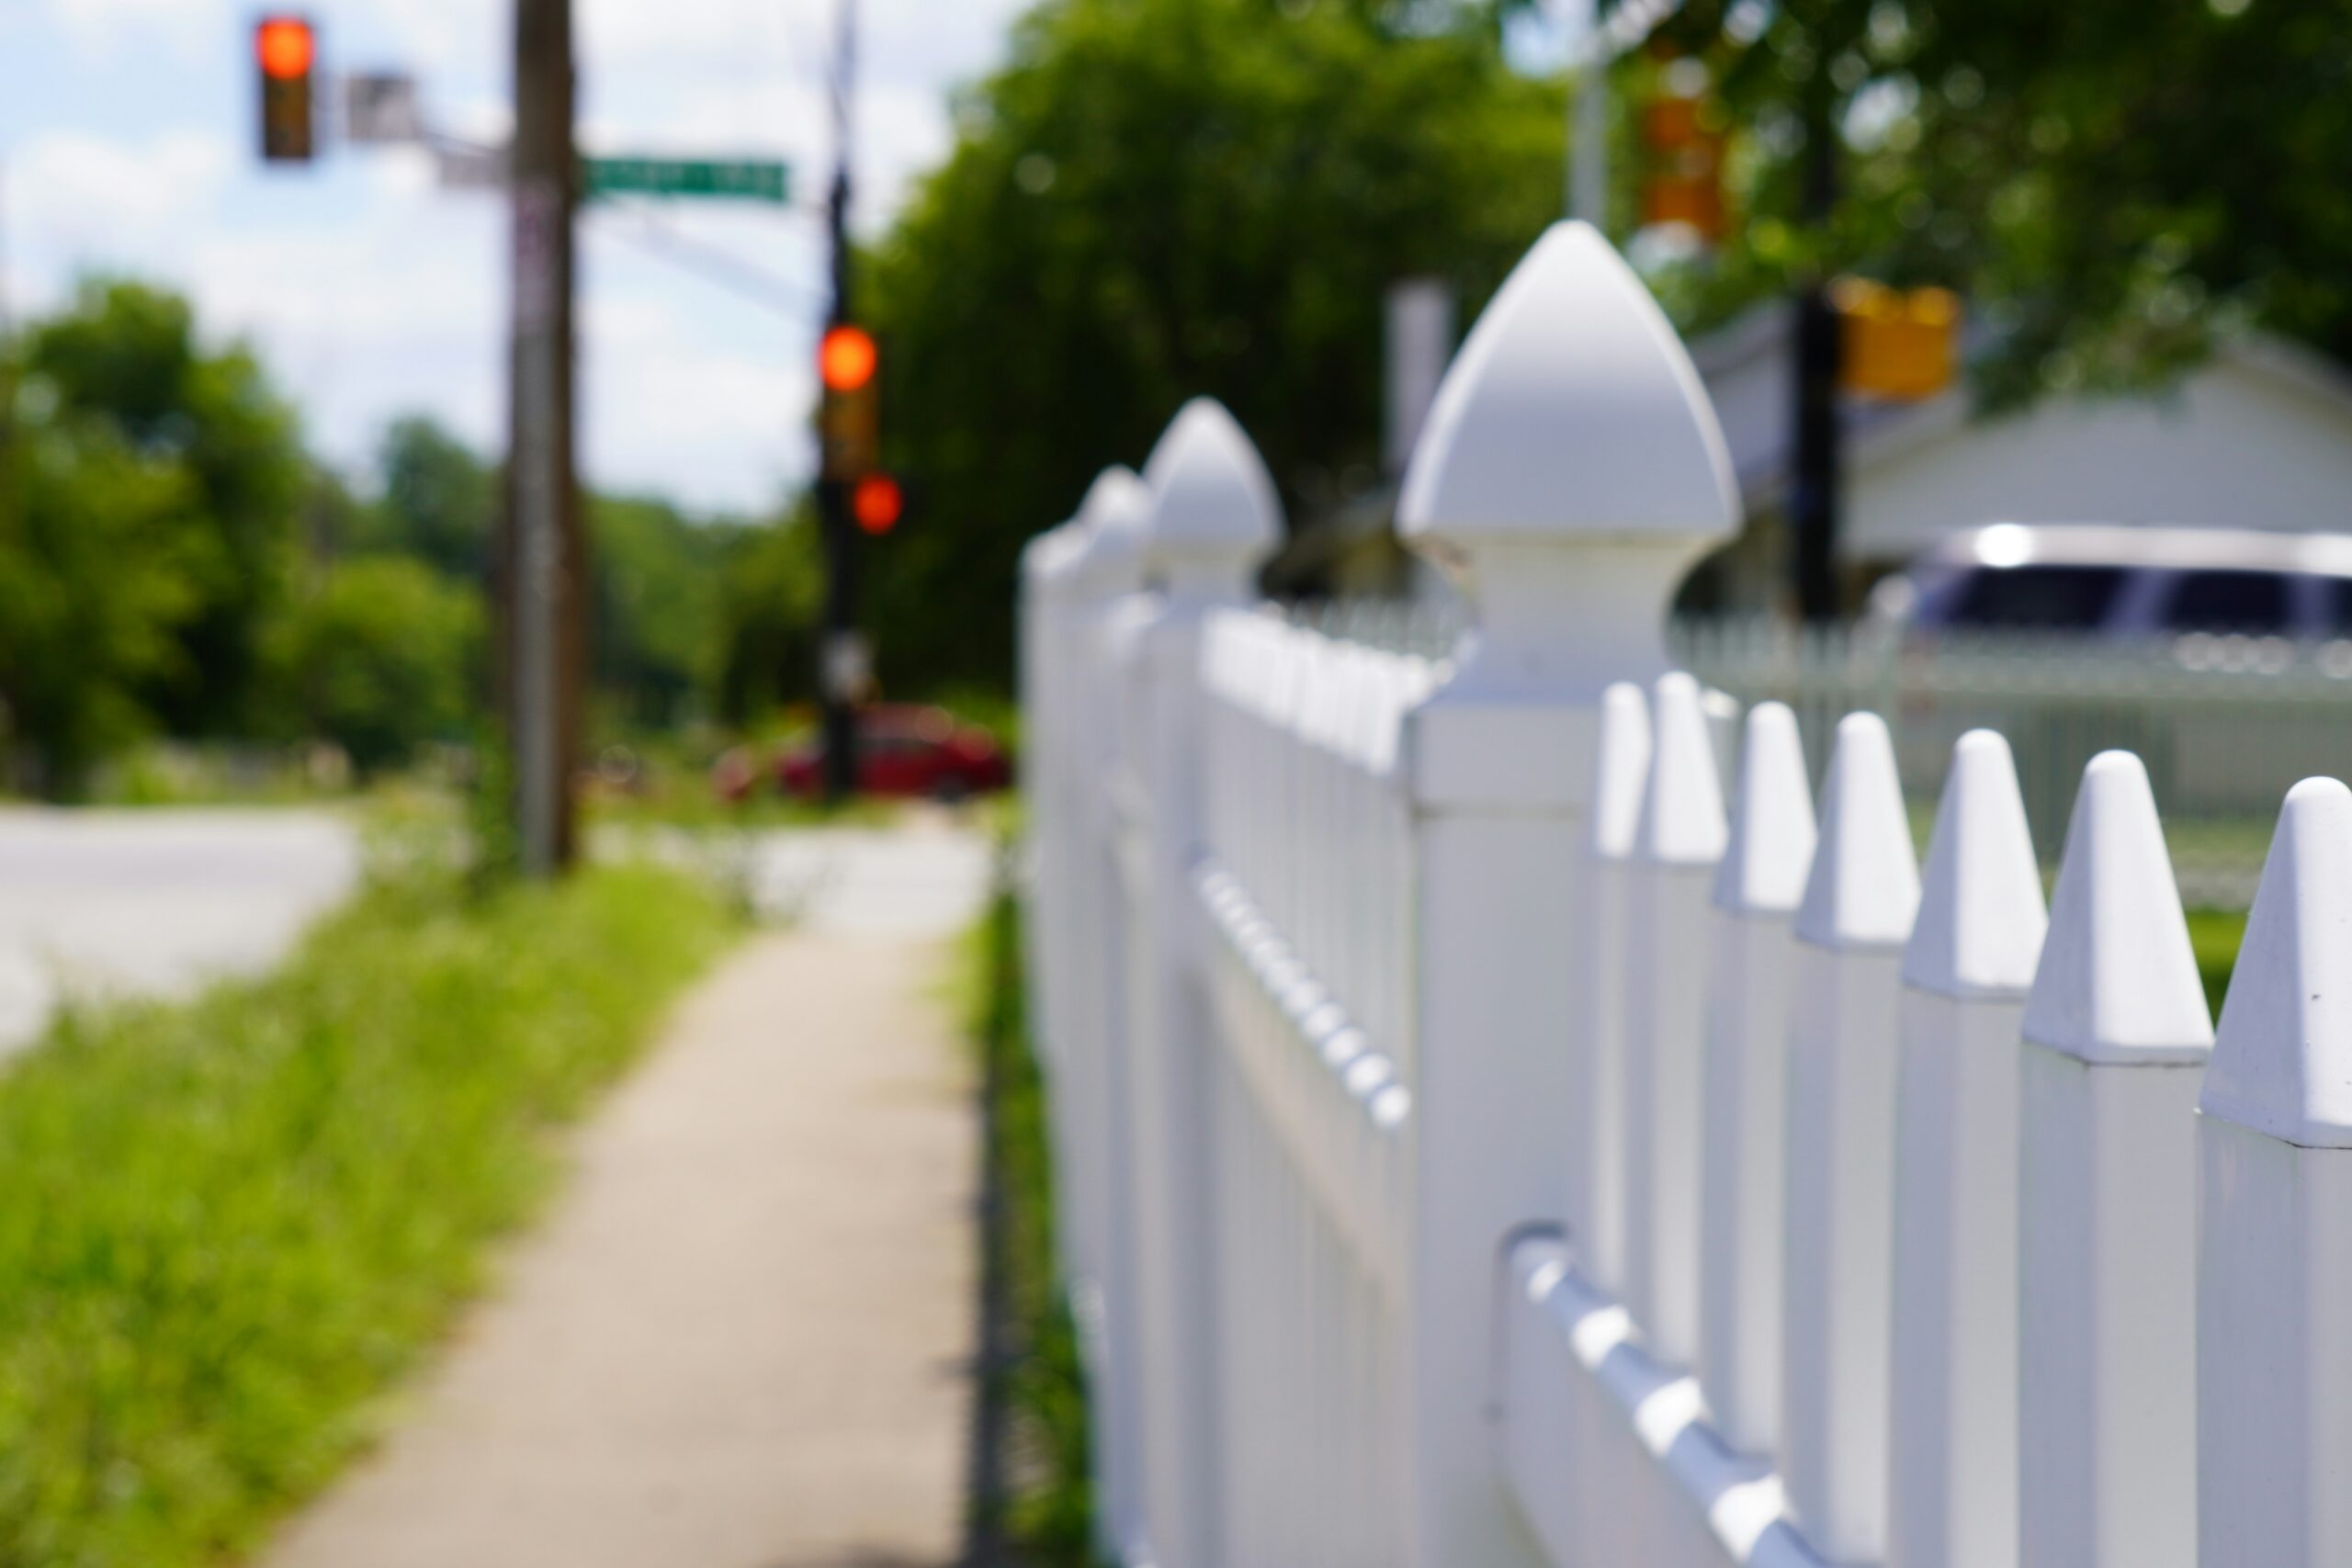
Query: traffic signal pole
point(1815, 461)
point(541, 563)
point(841, 652)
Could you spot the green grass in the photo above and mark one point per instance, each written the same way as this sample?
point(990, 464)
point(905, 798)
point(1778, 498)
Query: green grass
point(1044, 1514)
point(229, 1226)
point(2214, 934)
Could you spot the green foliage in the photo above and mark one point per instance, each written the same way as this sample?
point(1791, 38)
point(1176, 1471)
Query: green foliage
point(2108, 181)
point(771, 598)
point(127, 355)
point(234, 1223)
point(1162, 197)
point(1038, 1383)
point(439, 502)
point(658, 587)
point(95, 584)
point(384, 655)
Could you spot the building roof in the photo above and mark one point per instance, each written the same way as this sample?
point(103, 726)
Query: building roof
point(1751, 353)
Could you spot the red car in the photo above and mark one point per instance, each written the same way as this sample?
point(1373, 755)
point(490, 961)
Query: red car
point(904, 751)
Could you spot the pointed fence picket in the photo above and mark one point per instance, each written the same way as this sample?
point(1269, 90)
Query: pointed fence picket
point(1502, 1120)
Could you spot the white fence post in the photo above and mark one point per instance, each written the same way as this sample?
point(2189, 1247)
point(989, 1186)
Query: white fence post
point(1755, 898)
point(2116, 1036)
point(1952, 1380)
point(1858, 903)
point(1678, 844)
point(1213, 515)
point(2274, 1264)
point(1572, 469)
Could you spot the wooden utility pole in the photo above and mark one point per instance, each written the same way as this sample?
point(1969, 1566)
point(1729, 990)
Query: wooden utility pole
point(542, 564)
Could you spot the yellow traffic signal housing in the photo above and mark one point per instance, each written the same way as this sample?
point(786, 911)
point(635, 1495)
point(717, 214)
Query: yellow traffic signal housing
point(286, 48)
point(1902, 344)
point(848, 416)
point(849, 428)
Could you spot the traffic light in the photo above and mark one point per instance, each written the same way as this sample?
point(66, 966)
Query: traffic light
point(849, 421)
point(287, 48)
point(1683, 182)
point(1901, 345)
point(876, 503)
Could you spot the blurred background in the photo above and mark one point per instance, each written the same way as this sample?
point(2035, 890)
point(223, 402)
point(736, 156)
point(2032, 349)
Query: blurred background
point(1943, 268)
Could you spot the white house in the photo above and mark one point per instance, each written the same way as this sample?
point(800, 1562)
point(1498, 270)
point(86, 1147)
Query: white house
point(2258, 437)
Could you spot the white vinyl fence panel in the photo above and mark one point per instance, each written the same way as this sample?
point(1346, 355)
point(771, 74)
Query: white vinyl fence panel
point(1504, 1120)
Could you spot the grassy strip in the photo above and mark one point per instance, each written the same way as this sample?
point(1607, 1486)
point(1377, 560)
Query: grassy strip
point(229, 1225)
point(1044, 1512)
point(2214, 934)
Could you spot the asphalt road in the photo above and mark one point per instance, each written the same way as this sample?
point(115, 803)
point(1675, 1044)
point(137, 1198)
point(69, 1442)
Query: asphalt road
point(155, 902)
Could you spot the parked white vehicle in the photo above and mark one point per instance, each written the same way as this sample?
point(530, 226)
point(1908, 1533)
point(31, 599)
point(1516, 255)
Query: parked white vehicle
point(2115, 581)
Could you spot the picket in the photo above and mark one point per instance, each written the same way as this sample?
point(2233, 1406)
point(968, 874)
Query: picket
point(1837, 1283)
point(1745, 1152)
point(1678, 844)
point(2116, 1040)
point(1483, 1144)
point(1595, 1169)
point(2274, 1267)
point(1953, 1370)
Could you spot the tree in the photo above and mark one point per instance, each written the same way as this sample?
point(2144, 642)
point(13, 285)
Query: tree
point(127, 354)
point(656, 605)
point(383, 656)
point(440, 502)
point(96, 585)
point(2107, 180)
point(1162, 197)
point(771, 590)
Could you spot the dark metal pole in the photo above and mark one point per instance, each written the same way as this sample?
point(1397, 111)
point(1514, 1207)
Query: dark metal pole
point(541, 557)
point(1814, 499)
point(842, 651)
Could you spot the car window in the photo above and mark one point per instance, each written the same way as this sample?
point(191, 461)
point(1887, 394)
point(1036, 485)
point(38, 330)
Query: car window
point(2339, 605)
point(2230, 600)
point(2048, 597)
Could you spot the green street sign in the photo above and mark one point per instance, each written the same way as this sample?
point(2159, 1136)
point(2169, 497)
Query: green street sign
point(734, 179)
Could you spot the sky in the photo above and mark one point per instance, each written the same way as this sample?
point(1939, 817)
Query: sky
point(128, 144)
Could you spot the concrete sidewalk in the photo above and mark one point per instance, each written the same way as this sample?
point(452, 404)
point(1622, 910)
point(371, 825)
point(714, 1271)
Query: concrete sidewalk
point(741, 1340)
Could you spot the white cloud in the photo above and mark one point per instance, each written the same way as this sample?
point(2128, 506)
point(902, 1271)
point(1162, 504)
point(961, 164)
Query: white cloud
point(108, 26)
point(74, 184)
point(370, 293)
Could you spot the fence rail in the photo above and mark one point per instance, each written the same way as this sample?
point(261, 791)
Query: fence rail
point(1508, 1116)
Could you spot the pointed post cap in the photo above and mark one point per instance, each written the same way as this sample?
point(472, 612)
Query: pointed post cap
point(1771, 850)
point(2118, 980)
point(1981, 918)
point(1683, 806)
point(1214, 511)
point(1048, 555)
point(1569, 471)
point(1571, 409)
point(1621, 766)
point(1863, 889)
point(1110, 521)
point(2282, 1056)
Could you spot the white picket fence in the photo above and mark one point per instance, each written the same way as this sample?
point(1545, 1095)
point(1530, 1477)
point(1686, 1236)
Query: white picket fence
point(1481, 1145)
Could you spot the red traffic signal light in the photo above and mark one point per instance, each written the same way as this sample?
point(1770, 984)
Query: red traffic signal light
point(846, 358)
point(285, 45)
point(878, 502)
point(286, 48)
